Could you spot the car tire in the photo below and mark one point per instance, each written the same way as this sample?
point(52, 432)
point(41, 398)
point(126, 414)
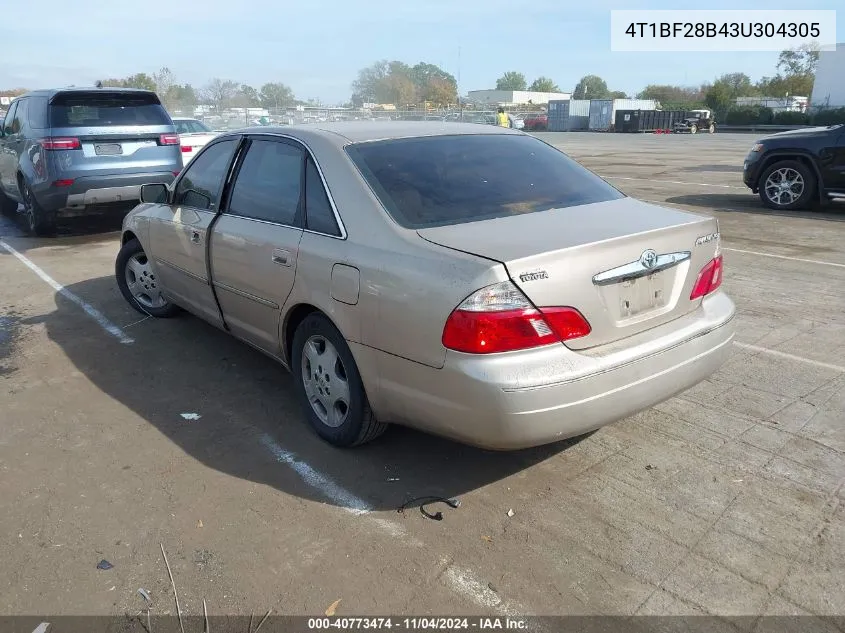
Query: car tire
point(7, 205)
point(693, 129)
point(712, 129)
point(789, 169)
point(39, 221)
point(138, 284)
point(329, 385)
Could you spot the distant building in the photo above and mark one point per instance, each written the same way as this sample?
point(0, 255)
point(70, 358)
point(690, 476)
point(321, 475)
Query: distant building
point(829, 86)
point(509, 98)
point(776, 104)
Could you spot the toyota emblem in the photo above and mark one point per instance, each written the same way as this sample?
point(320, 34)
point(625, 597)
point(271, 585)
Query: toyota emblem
point(648, 259)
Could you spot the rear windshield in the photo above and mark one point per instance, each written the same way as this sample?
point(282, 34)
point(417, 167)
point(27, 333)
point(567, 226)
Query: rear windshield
point(191, 127)
point(98, 109)
point(442, 180)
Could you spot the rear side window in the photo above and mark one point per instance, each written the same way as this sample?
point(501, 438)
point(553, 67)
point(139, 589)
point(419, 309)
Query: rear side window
point(442, 180)
point(105, 109)
point(20, 116)
point(269, 183)
point(319, 215)
point(38, 113)
point(200, 186)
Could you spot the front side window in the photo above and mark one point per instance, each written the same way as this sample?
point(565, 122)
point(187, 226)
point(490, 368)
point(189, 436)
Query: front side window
point(269, 182)
point(201, 185)
point(443, 180)
point(10, 117)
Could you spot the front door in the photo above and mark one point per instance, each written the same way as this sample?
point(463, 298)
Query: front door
point(9, 148)
point(255, 242)
point(834, 171)
point(179, 231)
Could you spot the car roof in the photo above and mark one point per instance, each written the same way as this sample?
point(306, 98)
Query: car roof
point(51, 92)
point(346, 132)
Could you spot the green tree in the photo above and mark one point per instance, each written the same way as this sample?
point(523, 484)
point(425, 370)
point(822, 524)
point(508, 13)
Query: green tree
point(544, 84)
point(276, 95)
point(723, 93)
point(370, 85)
point(591, 87)
point(248, 96)
point(617, 94)
point(799, 61)
point(674, 97)
point(181, 96)
point(140, 80)
point(512, 80)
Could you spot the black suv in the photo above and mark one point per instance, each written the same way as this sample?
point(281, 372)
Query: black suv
point(77, 150)
point(796, 169)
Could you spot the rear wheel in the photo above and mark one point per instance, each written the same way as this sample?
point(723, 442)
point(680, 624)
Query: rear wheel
point(693, 129)
point(787, 185)
point(329, 386)
point(712, 128)
point(138, 284)
point(39, 222)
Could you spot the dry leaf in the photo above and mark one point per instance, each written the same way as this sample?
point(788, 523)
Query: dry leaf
point(489, 539)
point(199, 523)
point(333, 607)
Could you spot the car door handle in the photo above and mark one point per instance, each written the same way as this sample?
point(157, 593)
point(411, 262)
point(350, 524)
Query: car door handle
point(195, 237)
point(280, 257)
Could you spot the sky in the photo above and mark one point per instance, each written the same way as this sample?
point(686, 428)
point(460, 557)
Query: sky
point(318, 46)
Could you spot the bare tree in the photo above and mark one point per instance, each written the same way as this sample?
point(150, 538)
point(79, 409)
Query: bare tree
point(220, 91)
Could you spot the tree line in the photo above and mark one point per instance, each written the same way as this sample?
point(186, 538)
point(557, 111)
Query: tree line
point(402, 84)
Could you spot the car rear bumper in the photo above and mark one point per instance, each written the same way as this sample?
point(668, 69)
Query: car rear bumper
point(99, 190)
point(525, 399)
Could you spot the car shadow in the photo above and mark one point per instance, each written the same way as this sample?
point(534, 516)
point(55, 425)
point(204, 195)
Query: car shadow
point(14, 224)
point(251, 426)
point(745, 203)
point(725, 169)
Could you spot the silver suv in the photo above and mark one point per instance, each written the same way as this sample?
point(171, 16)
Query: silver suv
point(76, 151)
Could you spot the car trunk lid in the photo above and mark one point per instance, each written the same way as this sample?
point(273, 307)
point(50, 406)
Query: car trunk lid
point(626, 265)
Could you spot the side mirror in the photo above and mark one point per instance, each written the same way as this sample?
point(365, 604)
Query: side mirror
point(155, 193)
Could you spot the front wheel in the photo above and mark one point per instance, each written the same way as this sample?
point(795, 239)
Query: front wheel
point(329, 386)
point(693, 129)
point(787, 185)
point(138, 283)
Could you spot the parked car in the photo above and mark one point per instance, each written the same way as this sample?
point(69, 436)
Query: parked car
point(516, 121)
point(377, 261)
point(77, 150)
point(696, 121)
point(795, 169)
point(193, 135)
point(536, 122)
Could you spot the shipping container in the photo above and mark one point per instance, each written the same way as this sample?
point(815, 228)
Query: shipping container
point(568, 115)
point(647, 120)
point(602, 111)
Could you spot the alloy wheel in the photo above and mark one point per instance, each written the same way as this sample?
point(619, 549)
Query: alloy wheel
point(142, 283)
point(784, 186)
point(325, 381)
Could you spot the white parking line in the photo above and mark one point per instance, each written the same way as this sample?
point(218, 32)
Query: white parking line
point(672, 182)
point(90, 310)
point(793, 259)
point(462, 581)
point(800, 359)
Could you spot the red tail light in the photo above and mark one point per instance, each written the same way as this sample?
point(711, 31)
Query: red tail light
point(499, 318)
point(67, 182)
point(168, 139)
point(709, 279)
point(55, 143)
point(186, 149)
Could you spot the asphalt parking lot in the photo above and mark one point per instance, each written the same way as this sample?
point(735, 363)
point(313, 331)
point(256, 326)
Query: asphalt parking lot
point(726, 500)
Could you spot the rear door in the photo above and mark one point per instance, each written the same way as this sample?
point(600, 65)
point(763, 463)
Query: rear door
point(832, 160)
point(117, 133)
point(255, 243)
point(179, 231)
